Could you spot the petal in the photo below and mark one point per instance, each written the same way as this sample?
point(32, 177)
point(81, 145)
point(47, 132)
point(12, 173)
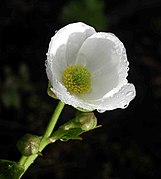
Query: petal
point(105, 55)
point(121, 99)
point(65, 44)
point(75, 32)
point(61, 92)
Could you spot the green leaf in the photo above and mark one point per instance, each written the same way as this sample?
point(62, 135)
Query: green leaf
point(10, 170)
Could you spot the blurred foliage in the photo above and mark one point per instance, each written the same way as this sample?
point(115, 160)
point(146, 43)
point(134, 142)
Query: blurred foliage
point(20, 93)
point(88, 11)
point(13, 84)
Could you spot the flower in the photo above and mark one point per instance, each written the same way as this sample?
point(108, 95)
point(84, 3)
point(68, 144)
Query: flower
point(89, 69)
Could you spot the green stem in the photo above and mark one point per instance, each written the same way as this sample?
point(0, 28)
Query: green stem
point(27, 161)
point(22, 160)
point(51, 125)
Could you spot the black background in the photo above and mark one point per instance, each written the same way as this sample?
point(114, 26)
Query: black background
point(128, 146)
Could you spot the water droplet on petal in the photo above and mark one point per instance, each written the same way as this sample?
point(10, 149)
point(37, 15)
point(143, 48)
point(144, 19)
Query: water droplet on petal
point(130, 93)
point(101, 110)
point(125, 105)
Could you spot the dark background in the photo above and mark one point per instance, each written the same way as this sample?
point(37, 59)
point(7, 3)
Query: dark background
point(128, 146)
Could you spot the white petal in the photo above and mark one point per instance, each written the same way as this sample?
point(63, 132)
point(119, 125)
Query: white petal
point(64, 46)
point(74, 32)
point(105, 55)
point(121, 99)
point(67, 98)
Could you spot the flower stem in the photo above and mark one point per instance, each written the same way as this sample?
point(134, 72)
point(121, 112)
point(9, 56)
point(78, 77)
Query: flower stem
point(27, 161)
point(51, 125)
point(22, 160)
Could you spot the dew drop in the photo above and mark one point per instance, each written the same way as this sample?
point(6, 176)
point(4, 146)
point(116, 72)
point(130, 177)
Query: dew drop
point(101, 110)
point(125, 105)
point(67, 127)
point(130, 93)
point(64, 140)
point(52, 140)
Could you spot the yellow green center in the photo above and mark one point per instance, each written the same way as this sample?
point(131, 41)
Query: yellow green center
point(77, 79)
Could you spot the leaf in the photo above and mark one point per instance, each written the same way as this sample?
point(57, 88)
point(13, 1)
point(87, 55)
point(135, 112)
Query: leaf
point(10, 170)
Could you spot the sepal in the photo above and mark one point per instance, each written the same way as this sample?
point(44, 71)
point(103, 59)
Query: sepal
point(82, 110)
point(83, 122)
point(49, 92)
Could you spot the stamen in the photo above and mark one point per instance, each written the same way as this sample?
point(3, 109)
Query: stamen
point(77, 79)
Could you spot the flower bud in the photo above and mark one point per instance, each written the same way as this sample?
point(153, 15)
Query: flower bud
point(87, 120)
point(29, 144)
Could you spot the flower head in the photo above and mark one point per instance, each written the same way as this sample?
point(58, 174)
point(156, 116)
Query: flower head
point(88, 70)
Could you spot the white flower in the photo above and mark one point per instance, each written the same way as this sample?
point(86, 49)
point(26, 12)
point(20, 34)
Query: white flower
point(101, 62)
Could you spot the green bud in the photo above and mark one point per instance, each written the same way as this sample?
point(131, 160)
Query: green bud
point(87, 120)
point(29, 144)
